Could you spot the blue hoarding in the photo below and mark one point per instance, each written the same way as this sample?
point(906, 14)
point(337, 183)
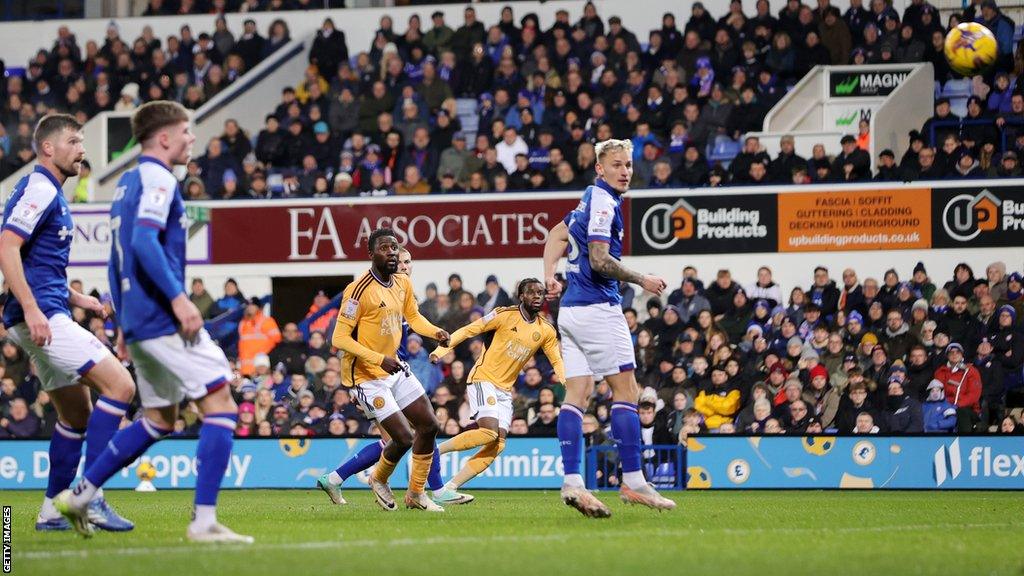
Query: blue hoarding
point(867, 462)
point(289, 463)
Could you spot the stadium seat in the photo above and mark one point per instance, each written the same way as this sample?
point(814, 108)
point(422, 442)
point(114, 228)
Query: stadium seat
point(958, 105)
point(465, 109)
point(723, 150)
point(957, 88)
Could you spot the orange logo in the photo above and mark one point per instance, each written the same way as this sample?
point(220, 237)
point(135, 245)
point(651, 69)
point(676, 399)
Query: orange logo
point(378, 403)
point(966, 216)
point(665, 224)
point(536, 336)
point(491, 401)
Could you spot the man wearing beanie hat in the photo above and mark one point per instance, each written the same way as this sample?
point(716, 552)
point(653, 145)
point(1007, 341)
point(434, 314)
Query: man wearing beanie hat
point(962, 384)
point(1008, 345)
point(921, 283)
point(821, 397)
point(902, 413)
point(1015, 288)
point(854, 329)
point(993, 388)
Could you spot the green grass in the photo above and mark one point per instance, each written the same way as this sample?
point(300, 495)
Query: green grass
point(527, 533)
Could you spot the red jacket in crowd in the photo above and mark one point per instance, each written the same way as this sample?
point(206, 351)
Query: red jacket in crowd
point(964, 378)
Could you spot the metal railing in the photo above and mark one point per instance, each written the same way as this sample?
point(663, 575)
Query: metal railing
point(664, 466)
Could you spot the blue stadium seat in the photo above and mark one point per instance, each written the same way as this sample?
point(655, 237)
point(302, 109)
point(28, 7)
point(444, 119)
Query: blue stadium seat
point(465, 109)
point(938, 89)
point(957, 88)
point(958, 105)
point(723, 150)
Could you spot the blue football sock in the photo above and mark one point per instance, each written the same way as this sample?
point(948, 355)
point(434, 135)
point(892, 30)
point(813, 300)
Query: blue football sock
point(65, 452)
point(570, 437)
point(127, 445)
point(363, 459)
point(626, 431)
point(103, 424)
point(434, 478)
point(212, 455)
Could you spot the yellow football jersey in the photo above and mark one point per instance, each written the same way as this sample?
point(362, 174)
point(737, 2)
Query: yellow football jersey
point(516, 340)
point(369, 325)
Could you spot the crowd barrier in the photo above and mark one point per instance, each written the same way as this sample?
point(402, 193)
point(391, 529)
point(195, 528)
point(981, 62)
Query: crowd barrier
point(709, 462)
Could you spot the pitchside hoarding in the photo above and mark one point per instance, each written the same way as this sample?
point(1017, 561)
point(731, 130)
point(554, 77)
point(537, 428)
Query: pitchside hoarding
point(434, 230)
point(288, 463)
point(463, 227)
point(680, 224)
point(977, 216)
point(861, 462)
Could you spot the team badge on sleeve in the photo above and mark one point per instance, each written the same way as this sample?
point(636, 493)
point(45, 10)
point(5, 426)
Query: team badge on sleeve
point(349, 308)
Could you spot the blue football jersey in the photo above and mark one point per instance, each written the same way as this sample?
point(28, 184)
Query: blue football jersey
point(147, 196)
point(38, 212)
point(597, 218)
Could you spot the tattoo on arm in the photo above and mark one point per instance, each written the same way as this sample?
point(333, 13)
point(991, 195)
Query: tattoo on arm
point(601, 261)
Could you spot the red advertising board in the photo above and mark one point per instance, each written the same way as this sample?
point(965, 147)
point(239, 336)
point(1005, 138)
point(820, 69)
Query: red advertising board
point(323, 232)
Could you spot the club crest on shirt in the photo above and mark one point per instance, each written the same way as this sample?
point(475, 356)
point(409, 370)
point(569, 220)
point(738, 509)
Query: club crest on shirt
point(491, 401)
point(349, 308)
point(378, 403)
point(158, 196)
point(536, 336)
point(30, 210)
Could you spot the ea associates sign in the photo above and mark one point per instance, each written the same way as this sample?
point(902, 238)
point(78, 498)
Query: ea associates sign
point(337, 232)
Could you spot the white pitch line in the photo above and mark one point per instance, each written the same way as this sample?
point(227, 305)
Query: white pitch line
point(331, 544)
point(327, 544)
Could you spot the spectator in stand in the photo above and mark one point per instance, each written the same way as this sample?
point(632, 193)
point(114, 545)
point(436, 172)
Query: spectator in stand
point(428, 373)
point(962, 386)
point(291, 351)
point(939, 414)
point(853, 163)
point(546, 422)
point(20, 422)
point(719, 403)
point(257, 334)
point(720, 294)
point(202, 299)
point(903, 413)
point(493, 296)
point(327, 320)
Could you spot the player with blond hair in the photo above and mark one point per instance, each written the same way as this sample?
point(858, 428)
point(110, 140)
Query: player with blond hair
point(596, 343)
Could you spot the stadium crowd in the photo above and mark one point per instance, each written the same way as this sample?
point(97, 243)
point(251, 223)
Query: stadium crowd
point(388, 119)
point(904, 354)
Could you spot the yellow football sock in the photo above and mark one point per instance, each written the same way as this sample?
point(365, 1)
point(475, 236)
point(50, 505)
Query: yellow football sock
point(382, 471)
point(468, 439)
point(420, 470)
point(478, 463)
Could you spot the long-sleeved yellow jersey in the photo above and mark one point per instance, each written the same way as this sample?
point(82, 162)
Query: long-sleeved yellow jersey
point(369, 325)
point(516, 340)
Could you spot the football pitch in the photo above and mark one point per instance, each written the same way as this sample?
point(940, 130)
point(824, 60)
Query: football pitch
point(532, 532)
